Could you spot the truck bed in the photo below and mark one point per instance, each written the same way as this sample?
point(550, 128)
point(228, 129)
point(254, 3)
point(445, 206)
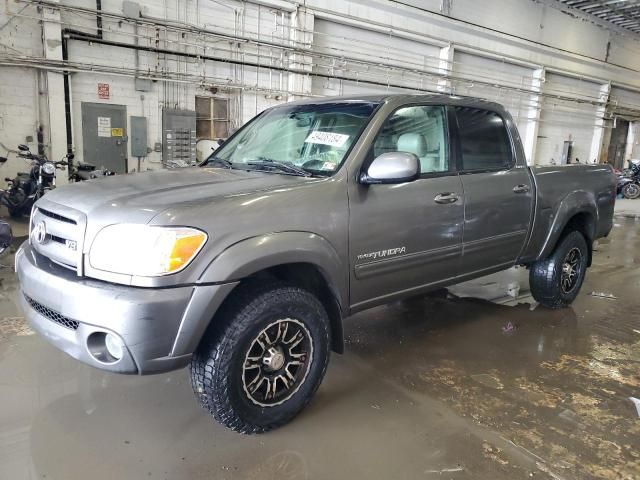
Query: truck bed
point(564, 192)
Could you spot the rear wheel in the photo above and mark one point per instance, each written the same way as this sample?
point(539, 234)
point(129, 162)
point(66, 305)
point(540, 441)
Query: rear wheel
point(556, 280)
point(631, 191)
point(261, 365)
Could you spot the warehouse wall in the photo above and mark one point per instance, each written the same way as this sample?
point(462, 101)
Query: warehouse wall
point(20, 102)
point(550, 69)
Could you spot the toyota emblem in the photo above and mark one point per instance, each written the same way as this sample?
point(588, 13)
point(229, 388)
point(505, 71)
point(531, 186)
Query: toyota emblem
point(39, 233)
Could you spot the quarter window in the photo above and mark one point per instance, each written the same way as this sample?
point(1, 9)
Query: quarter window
point(483, 139)
point(419, 130)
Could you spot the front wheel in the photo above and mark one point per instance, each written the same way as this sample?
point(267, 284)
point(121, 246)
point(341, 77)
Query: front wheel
point(556, 280)
point(260, 366)
point(631, 191)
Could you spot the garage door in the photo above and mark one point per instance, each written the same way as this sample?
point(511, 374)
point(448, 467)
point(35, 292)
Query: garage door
point(363, 51)
point(474, 76)
point(565, 120)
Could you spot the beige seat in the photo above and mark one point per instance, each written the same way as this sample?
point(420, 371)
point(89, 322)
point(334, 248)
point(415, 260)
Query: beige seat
point(416, 143)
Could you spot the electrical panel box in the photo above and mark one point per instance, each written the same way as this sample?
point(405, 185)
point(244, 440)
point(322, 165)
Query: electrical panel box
point(179, 142)
point(143, 84)
point(138, 136)
point(131, 9)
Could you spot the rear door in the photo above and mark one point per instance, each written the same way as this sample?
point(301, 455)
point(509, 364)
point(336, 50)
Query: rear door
point(407, 236)
point(104, 136)
point(498, 191)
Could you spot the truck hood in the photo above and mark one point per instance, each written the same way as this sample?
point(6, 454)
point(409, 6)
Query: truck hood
point(149, 193)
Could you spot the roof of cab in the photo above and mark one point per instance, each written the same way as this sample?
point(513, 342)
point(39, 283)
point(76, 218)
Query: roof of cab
point(408, 98)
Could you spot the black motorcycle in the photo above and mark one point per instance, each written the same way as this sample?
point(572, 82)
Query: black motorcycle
point(6, 234)
point(81, 172)
point(629, 185)
point(27, 187)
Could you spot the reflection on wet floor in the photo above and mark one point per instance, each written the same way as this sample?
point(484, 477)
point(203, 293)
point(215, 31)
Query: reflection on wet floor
point(433, 387)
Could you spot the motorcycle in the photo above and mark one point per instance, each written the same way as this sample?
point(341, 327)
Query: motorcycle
point(81, 172)
point(6, 235)
point(27, 187)
point(629, 185)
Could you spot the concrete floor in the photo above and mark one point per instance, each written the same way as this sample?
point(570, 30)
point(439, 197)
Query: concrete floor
point(449, 387)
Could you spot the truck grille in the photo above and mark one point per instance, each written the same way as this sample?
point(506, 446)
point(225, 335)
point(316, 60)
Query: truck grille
point(64, 229)
point(52, 315)
point(49, 214)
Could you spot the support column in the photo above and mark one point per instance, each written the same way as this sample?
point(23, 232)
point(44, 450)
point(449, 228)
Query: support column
point(530, 133)
point(52, 38)
point(445, 65)
point(598, 131)
point(301, 36)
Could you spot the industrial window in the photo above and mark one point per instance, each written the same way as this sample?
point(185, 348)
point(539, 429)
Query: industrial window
point(420, 130)
point(483, 139)
point(212, 118)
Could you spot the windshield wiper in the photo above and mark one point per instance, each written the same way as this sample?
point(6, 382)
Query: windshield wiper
point(219, 161)
point(281, 166)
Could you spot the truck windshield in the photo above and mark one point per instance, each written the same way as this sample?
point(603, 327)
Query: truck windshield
point(309, 138)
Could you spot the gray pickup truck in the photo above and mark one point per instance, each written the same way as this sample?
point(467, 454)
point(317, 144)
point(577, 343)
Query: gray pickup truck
point(246, 266)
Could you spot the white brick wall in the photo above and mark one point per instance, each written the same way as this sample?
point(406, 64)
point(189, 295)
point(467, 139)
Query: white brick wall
point(394, 34)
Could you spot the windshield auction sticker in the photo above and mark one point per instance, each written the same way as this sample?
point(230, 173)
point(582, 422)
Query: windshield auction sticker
point(327, 138)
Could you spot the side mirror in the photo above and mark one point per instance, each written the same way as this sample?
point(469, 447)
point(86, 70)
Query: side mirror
point(23, 148)
point(392, 167)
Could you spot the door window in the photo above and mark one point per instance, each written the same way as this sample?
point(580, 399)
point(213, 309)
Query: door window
point(420, 130)
point(484, 140)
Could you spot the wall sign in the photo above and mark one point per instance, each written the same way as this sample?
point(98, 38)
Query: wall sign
point(103, 91)
point(117, 132)
point(104, 126)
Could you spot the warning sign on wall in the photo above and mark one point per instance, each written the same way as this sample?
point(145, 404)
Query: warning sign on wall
point(117, 132)
point(104, 126)
point(103, 91)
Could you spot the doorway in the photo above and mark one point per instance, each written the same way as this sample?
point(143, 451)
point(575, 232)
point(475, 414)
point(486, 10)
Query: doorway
point(104, 136)
point(618, 144)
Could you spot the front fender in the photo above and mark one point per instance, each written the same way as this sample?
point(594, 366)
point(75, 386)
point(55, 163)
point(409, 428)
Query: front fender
point(255, 254)
point(574, 203)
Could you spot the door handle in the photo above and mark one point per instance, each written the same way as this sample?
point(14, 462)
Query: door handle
point(446, 198)
point(522, 188)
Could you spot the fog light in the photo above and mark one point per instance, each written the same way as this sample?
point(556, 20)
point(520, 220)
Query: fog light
point(114, 346)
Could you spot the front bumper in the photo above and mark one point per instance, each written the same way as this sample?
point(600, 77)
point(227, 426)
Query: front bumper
point(160, 327)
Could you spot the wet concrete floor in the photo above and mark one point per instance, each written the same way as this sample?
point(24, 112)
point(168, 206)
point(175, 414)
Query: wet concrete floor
point(448, 387)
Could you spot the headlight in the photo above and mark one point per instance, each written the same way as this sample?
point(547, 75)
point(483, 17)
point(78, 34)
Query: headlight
point(49, 168)
point(145, 250)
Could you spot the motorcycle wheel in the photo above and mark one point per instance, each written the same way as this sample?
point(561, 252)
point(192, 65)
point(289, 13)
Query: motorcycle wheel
point(631, 191)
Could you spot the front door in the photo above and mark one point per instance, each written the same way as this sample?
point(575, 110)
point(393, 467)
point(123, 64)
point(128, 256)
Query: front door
point(498, 192)
point(104, 136)
point(407, 237)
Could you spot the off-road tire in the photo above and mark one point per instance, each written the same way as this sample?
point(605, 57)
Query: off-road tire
point(631, 191)
point(545, 276)
point(217, 365)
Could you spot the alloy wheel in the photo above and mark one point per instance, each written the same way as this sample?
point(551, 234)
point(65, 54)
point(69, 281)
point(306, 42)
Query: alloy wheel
point(571, 270)
point(277, 362)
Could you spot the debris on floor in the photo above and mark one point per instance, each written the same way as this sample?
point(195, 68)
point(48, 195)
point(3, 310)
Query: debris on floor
point(458, 468)
point(604, 295)
point(508, 328)
point(513, 289)
point(636, 402)
point(488, 380)
point(494, 453)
